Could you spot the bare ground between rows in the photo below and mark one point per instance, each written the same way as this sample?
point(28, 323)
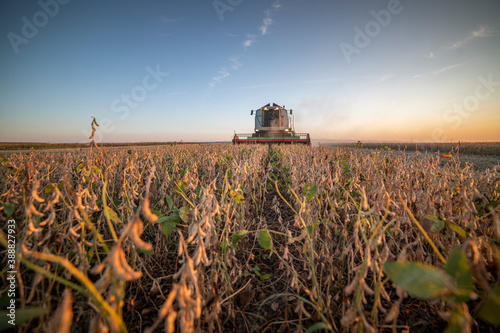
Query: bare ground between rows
point(277, 314)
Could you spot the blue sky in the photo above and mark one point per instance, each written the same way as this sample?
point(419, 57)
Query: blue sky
point(192, 70)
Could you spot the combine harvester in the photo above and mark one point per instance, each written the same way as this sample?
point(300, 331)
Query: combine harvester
point(273, 124)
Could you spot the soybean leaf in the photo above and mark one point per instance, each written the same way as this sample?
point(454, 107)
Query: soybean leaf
point(171, 218)
point(79, 168)
point(438, 223)
point(320, 326)
point(456, 228)
point(458, 268)
point(141, 251)
point(4, 300)
point(238, 197)
point(265, 240)
point(170, 202)
point(490, 308)
point(174, 217)
point(162, 219)
point(111, 214)
point(157, 213)
point(419, 280)
point(185, 214)
point(198, 191)
point(49, 189)
point(180, 187)
point(8, 210)
point(168, 227)
point(21, 316)
point(310, 229)
point(310, 191)
point(457, 321)
point(235, 238)
point(265, 277)
point(346, 168)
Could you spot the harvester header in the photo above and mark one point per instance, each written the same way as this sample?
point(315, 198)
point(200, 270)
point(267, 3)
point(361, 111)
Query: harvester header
point(273, 124)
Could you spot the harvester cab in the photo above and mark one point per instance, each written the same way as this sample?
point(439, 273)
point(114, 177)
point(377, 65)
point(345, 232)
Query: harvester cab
point(273, 124)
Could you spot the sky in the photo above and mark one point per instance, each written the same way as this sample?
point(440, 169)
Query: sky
point(192, 70)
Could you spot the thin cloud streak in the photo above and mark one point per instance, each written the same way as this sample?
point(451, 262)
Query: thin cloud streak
point(439, 71)
point(249, 41)
point(380, 79)
point(235, 63)
point(165, 34)
point(482, 31)
point(384, 78)
point(266, 23)
point(447, 68)
point(281, 84)
point(268, 20)
point(169, 20)
point(221, 75)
